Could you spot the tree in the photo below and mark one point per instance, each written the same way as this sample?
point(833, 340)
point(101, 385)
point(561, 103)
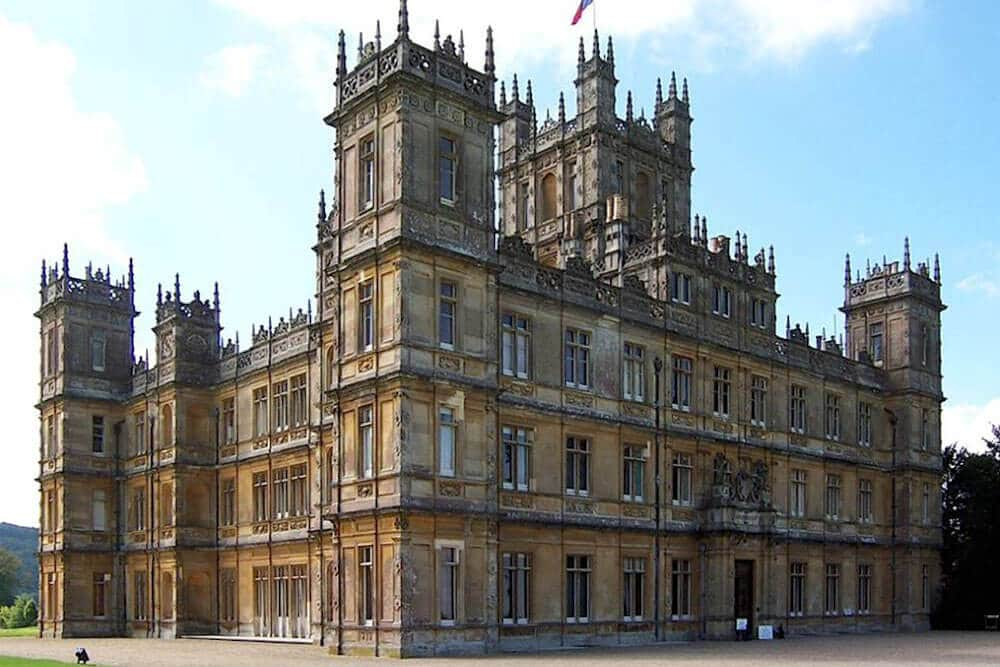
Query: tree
point(10, 573)
point(21, 614)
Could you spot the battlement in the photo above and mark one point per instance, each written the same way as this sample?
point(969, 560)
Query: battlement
point(170, 306)
point(95, 288)
point(890, 279)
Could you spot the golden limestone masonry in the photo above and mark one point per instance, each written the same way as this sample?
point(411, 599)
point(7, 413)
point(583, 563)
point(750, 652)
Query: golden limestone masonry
point(562, 418)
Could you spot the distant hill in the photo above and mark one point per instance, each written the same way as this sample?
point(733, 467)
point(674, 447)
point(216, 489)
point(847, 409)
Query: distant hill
point(22, 541)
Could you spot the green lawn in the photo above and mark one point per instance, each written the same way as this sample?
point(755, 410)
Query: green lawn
point(30, 662)
point(30, 631)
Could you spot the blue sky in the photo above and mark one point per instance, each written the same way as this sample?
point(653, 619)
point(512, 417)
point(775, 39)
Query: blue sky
point(189, 135)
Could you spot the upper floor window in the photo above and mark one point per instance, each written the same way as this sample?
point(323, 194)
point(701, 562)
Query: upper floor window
point(758, 400)
point(925, 345)
point(875, 341)
point(832, 505)
point(758, 313)
point(680, 288)
point(516, 458)
point(228, 511)
point(721, 385)
point(366, 443)
point(722, 299)
point(298, 406)
point(260, 496)
point(524, 206)
point(832, 421)
point(98, 506)
point(797, 408)
point(367, 172)
point(864, 424)
point(797, 504)
point(366, 319)
point(549, 205)
point(618, 177)
point(516, 345)
point(643, 203)
point(97, 434)
point(98, 349)
point(446, 313)
point(229, 420)
point(577, 466)
point(577, 359)
point(635, 372)
point(260, 411)
point(864, 500)
point(52, 351)
point(572, 197)
point(140, 433)
point(446, 441)
point(682, 472)
point(680, 394)
point(634, 458)
point(925, 506)
point(925, 431)
point(447, 169)
point(280, 403)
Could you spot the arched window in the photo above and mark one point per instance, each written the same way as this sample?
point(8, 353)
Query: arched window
point(167, 426)
point(331, 366)
point(642, 196)
point(549, 197)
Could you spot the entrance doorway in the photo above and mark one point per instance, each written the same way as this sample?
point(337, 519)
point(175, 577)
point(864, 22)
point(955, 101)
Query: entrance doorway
point(743, 598)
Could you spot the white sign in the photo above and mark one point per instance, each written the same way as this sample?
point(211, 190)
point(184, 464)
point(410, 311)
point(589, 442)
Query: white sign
point(765, 632)
point(741, 624)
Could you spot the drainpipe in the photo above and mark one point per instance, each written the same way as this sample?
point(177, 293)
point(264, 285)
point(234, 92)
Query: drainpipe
point(657, 368)
point(893, 421)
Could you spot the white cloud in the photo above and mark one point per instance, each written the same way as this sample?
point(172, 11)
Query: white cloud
point(232, 69)
point(61, 168)
point(967, 424)
point(979, 282)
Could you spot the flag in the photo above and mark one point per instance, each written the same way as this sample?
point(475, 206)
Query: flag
point(579, 11)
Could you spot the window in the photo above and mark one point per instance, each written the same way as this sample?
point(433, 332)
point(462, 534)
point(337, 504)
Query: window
point(925, 587)
point(297, 478)
point(796, 589)
point(680, 395)
point(446, 441)
point(758, 313)
point(97, 434)
point(577, 466)
point(167, 426)
point(137, 510)
point(367, 173)
point(280, 403)
point(366, 586)
point(140, 433)
point(261, 598)
point(634, 471)
point(925, 507)
point(864, 589)
point(516, 588)
point(98, 349)
point(52, 349)
point(446, 314)
point(448, 586)
point(571, 194)
point(516, 458)
point(720, 391)
point(577, 366)
point(577, 589)
point(680, 288)
point(832, 505)
point(832, 421)
point(49, 603)
point(229, 421)
point(99, 510)
point(516, 345)
point(831, 597)
point(331, 367)
point(798, 493)
point(549, 208)
point(279, 491)
point(50, 511)
point(228, 602)
point(643, 202)
point(635, 372)
point(633, 589)
point(50, 437)
point(618, 177)
point(298, 406)
point(722, 301)
point(864, 500)
point(366, 460)
point(260, 496)
point(875, 341)
point(758, 400)
point(139, 596)
point(864, 424)
point(925, 345)
point(524, 206)
point(100, 607)
point(797, 408)
point(681, 480)
point(447, 169)
point(260, 412)
point(228, 501)
point(924, 430)
point(366, 316)
point(680, 585)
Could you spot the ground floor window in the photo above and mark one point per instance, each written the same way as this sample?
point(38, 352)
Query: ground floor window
point(228, 601)
point(832, 592)
point(516, 591)
point(577, 589)
point(261, 608)
point(680, 586)
point(448, 586)
point(281, 601)
point(139, 596)
point(864, 589)
point(100, 606)
point(796, 589)
point(633, 589)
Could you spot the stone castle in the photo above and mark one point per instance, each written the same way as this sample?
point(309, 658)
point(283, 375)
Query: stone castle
point(565, 417)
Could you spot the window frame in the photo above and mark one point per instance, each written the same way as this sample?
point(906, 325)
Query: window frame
point(577, 482)
point(797, 409)
point(451, 159)
point(798, 493)
point(680, 288)
point(634, 473)
point(681, 379)
point(831, 590)
point(447, 331)
point(681, 576)
point(722, 301)
point(832, 500)
point(366, 441)
point(633, 589)
point(366, 316)
point(797, 588)
point(516, 588)
point(831, 416)
point(516, 442)
point(758, 400)
point(722, 377)
point(866, 494)
point(97, 433)
point(366, 159)
point(447, 429)
point(578, 578)
point(577, 345)
point(681, 479)
point(634, 372)
point(516, 329)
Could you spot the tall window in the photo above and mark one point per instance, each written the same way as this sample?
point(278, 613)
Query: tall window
point(260, 412)
point(229, 420)
point(366, 585)
point(140, 433)
point(298, 406)
point(99, 511)
point(100, 596)
point(97, 434)
point(924, 429)
point(577, 466)
point(260, 496)
point(832, 417)
point(228, 501)
point(865, 500)
point(516, 458)
point(52, 352)
point(280, 493)
point(577, 589)
point(635, 372)
point(516, 588)
point(925, 506)
point(798, 493)
point(227, 605)
point(366, 443)
point(680, 586)
point(549, 208)
point(796, 589)
point(139, 596)
point(261, 599)
point(618, 177)
point(875, 341)
point(680, 288)
point(831, 597)
point(643, 202)
point(446, 314)
point(680, 394)
point(297, 479)
point(50, 511)
point(524, 206)
point(98, 350)
point(367, 172)
point(681, 479)
point(864, 589)
point(280, 403)
point(634, 459)
point(925, 345)
point(50, 436)
point(832, 505)
point(448, 585)
point(167, 426)
point(758, 400)
point(446, 441)
point(797, 408)
point(925, 587)
point(864, 424)
point(758, 313)
point(633, 588)
point(721, 385)
point(138, 509)
point(572, 198)
point(577, 358)
point(366, 315)
point(516, 345)
point(447, 169)
point(722, 299)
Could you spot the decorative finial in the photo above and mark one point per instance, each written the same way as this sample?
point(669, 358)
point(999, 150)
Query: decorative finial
point(159, 294)
point(770, 260)
point(177, 287)
point(45, 276)
point(937, 269)
point(628, 107)
point(746, 248)
point(659, 93)
point(697, 229)
point(503, 94)
point(514, 95)
point(684, 93)
point(672, 88)
point(491, 65)
point(341, 55)
point(378, 35)
point(562, 108)
point(529, 98)
point(581, 57)
point(321, 213)
point(739, 248)
point(597, 45)
point(906, 253)
point(704, 230)
point(131, 275)
point(611, 51)
point(461, 45)
point(847, 269)
point(788, 326)
point(65, 267)
point(215, 297)
point(403, 27)
point(361, 46)
point(437, 34)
